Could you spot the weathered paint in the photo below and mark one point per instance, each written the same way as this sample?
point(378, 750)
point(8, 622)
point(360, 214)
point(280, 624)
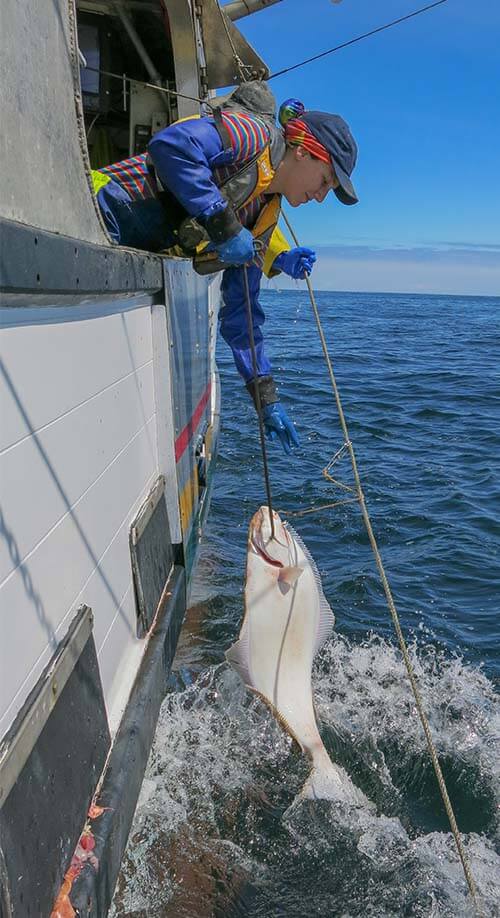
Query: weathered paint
point(187, 433)
point(192, 321)
point(84, 854)
point(193, 543)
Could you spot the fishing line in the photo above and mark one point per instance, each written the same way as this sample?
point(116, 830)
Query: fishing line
point(352, 41)
point(258, 403)
point(126, 79)
point(335, 503)
point(390, 601)
point(241, 67)
point(347, 444)
point(245, 71)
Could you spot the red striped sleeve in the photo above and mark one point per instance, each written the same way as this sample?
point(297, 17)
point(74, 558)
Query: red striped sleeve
point(126, 174)
point(240, 138)
point(135, 176)
point(248, 135)
point(256, 139)
point(247, 152)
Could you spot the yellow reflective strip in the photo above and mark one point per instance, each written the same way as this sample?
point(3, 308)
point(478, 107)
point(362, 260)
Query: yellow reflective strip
point(187, 118)
point(268, 216)
point(208, 441)
point(265, 175)
point(188, 499)
point(99, 180)
point(277, 244)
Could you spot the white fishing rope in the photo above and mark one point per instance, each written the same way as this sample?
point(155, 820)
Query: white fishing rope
point(390, 602)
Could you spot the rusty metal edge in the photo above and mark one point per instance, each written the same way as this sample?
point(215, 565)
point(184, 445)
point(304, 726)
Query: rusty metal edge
point(112, 810)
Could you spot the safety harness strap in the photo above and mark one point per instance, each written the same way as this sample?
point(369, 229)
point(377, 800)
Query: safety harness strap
point(222, 129)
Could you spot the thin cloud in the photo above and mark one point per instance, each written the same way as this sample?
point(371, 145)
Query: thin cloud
point(456, 269)
point(487, 256)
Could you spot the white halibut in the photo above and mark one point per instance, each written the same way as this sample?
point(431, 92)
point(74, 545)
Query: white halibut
point(286, 620)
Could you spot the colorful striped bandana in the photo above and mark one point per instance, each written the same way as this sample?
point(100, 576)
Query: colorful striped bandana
point(297, 133)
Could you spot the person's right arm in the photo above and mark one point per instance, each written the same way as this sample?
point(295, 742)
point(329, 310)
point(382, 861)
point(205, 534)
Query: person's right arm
point(184, 156)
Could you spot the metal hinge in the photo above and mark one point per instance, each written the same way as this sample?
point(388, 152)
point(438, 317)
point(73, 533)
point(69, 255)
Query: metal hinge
point(203, 81)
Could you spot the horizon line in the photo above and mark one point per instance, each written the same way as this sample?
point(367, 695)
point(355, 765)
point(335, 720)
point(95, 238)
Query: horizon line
point(469, 296)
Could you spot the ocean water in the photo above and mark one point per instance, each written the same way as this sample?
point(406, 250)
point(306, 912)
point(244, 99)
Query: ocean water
point(420, 384)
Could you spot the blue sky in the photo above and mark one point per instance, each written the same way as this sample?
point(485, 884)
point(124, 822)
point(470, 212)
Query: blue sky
point(423, 101)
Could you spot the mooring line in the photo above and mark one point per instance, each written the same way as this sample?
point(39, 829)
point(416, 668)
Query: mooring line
point(353, 41)
point(390, 601)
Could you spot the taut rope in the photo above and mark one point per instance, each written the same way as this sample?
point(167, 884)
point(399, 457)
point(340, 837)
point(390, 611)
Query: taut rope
point(258, 403)
point(390, 602)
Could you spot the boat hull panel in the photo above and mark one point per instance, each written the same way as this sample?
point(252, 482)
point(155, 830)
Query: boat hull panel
point(42, 805)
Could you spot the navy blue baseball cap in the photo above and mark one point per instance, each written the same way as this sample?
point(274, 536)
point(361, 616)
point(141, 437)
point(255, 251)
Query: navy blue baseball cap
point(334, 134)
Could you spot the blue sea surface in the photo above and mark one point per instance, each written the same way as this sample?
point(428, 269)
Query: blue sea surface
point(419, 378)
point(420, 385)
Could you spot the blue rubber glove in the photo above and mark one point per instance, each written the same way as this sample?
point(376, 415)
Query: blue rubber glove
point(238, 250)
point(296, 263)
point(279, 426)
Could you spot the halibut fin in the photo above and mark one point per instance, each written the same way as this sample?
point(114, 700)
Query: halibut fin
point(327, 618)
point(290, 574)
point(325, 626)
point(238, 657)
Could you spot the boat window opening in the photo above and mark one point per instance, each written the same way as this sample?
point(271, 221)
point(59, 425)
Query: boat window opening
point(121, 117)
point(88, 41)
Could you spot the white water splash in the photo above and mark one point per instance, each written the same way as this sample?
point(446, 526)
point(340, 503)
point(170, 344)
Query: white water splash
point(224, 773)
point(364, 690)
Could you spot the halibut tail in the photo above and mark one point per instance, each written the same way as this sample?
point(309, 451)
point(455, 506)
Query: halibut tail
point(328, 781)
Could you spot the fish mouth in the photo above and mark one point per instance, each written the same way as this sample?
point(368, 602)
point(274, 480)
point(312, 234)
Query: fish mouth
point(265, 557)
point(262, 540)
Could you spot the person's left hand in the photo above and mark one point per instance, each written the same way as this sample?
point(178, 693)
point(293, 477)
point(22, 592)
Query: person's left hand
point(238, 250)
point(278, 426)
point(297, 262)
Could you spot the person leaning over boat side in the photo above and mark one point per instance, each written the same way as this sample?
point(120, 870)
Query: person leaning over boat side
point(213, 186)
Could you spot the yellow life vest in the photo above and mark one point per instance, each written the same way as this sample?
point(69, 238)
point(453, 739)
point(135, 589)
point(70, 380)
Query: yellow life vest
point(257, 176)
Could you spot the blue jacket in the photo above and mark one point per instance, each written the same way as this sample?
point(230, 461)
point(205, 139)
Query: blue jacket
point(189, 159)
